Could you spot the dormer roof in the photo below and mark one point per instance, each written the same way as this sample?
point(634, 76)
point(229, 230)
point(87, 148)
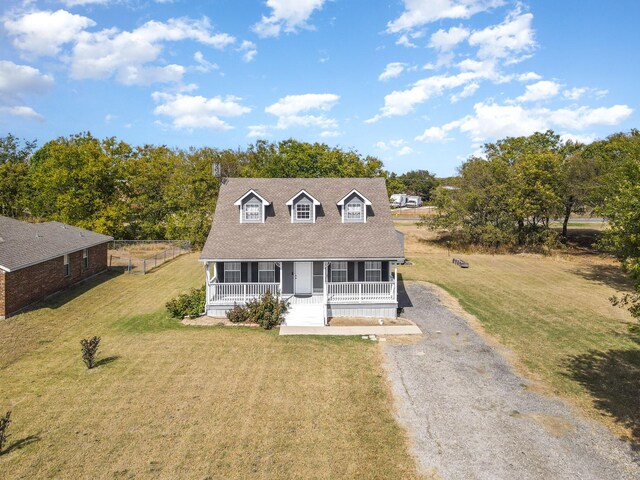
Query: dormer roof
point(252, 192)
point(303, 192)
point(364, 199)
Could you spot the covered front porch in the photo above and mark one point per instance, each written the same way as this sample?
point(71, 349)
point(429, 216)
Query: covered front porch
point(365, 287)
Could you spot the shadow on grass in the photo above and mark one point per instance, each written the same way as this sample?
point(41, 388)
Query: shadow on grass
point(18, 444)
point(612, 378)
point(106, 360)
point(609, 275)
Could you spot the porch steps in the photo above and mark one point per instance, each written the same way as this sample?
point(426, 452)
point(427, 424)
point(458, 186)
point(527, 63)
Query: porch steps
point(305, 315)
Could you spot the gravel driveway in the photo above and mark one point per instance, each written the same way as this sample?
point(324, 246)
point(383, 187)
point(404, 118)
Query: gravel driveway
point(470, 415)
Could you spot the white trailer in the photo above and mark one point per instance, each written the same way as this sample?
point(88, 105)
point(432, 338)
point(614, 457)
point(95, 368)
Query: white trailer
point(398, 200)
point(414, 201)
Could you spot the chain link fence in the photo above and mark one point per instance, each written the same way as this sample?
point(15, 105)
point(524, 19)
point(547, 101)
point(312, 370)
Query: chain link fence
point(142, 256)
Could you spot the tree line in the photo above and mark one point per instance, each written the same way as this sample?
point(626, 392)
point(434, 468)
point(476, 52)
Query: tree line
point(507, 198)
point(157, 192)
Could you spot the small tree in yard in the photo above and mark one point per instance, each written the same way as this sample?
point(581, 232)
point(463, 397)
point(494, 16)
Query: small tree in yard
point(4, 425)
point(89, 350)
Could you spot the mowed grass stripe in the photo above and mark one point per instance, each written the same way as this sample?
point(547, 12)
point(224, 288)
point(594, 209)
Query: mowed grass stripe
point(189, 402)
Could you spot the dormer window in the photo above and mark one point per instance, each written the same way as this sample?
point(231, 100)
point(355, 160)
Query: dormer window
point(303, 207)
point(354, 207)
point(252, 212)
point(303, 212)
point(355, 211)
point(252, 207)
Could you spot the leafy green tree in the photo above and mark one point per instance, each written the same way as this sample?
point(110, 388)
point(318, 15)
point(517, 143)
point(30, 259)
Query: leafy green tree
point(619, 156)
point(419, 182)
point(14, 175)
point(395, 184)
point(78, 180)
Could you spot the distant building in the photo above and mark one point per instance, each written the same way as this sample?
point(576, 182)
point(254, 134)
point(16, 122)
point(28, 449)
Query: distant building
point(39, 259)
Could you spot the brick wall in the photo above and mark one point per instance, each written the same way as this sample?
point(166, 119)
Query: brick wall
point(28, 285)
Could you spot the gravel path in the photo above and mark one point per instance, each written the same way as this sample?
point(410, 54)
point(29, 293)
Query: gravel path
point(469, 415)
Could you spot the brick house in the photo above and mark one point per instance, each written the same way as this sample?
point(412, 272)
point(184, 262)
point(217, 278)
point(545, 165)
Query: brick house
point(39, 259)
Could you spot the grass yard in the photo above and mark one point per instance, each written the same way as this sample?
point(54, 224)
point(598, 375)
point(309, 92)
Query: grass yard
point(554, 313)
point(169, 401)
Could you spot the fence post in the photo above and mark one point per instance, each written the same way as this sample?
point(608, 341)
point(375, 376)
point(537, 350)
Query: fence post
point(144, 266)
point(129, 267)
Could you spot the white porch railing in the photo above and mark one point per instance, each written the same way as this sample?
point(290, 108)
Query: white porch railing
point(361, 292)
point(229, 293)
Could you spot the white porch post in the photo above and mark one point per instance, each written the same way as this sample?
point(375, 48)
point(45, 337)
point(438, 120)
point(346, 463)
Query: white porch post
point(395, 282)
point(281, 275)
point(325, 266)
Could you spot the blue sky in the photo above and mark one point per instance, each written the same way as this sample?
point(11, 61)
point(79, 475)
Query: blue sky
point(418, 83)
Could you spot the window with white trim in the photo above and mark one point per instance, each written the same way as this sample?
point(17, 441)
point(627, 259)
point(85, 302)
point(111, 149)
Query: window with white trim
point(354, 212)
point(232, 272)
point(303, 212)
point(266, 272)
point(338, 271)
point(85, 259)
point(252, 212)
point(66, 266)
point(373, 271)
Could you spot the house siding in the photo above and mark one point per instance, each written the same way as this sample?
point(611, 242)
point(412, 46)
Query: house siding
point(2, 311)
point(25, 286)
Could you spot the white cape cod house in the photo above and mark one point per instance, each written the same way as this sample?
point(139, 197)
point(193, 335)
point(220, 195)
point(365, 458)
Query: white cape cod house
point(327, 245)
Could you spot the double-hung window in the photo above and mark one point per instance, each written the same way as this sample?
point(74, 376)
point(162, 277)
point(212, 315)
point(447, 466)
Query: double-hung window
point(85, 259)
point(355, 212)
point(252, 212)
point(266, 272)
point(66, 266)
point(303, 212)
point(338, 271)
point(373, 271)
point(232, 272)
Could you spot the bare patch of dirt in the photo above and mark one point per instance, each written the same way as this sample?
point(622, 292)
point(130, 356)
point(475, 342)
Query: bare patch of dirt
point(556, 426)
point(207, 321)
point(367, 321)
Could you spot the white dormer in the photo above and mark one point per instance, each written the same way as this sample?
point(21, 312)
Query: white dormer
point(303, 207)
point(353, 207)
point(252, 207)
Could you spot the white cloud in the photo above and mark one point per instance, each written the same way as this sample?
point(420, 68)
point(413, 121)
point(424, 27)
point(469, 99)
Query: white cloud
point(402, 102)
point(508, 40)
point(248, 49)
point(195, 111)
point(16, 81)
point(127, 55)
point(406, 150)
point(290, 109)
point(576, 138)
point(22, 111)
point(542, 90)
point(392, 70)
point(203, 64)
point(287, 16)
point(578, 92)
point(330, 133)
point(99, 55)
point(467, 91)
point(528, 77)
point(445, 40)
point(44, 32)
point(75, 3)
point(381, 145)
point(421, 12)
point(258, 131)
point(491, 121)
point(433, 134)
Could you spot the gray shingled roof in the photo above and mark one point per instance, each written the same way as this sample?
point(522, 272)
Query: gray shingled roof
point(23, 244)
point(279, 239)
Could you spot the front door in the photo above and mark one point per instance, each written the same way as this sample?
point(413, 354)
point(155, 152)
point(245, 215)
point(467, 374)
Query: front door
point(304, 278)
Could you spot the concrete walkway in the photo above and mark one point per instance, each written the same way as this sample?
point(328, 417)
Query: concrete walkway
point(471, 416)
point(365, 330)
